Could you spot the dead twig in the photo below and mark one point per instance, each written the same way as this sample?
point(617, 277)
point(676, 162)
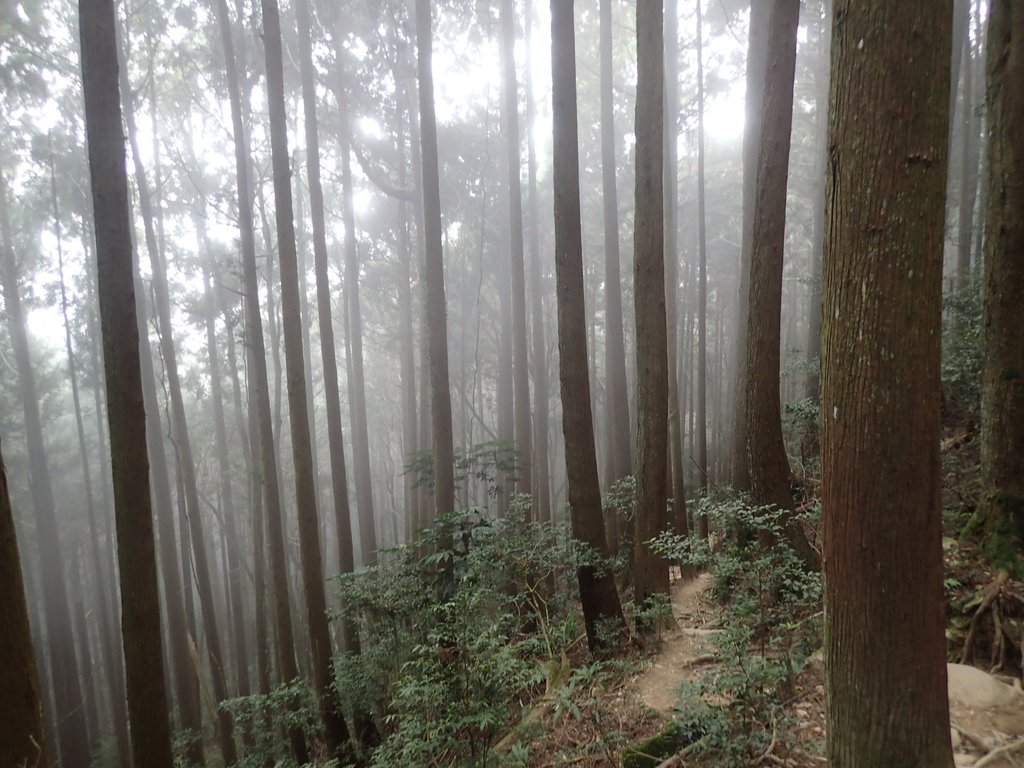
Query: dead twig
point(991, 592)
point(995, 754)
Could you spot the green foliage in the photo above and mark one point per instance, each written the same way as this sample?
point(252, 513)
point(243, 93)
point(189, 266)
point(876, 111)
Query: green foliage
point(962, 351)
point(770, 625)
point(484, 462)
point(454, 639)
point(650, 752)
point(269, 718)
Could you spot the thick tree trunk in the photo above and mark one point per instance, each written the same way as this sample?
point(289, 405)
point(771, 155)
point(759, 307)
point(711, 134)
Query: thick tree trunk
point(757, 54)
point(433, 273)
point(1002, 401)
point(650, 570)
point(766, 451)
point(618, 462)
point(72, 735)
point(885, 649)
point(140, 602)
point(314, 592)
point(598, 595)
point(21, 739)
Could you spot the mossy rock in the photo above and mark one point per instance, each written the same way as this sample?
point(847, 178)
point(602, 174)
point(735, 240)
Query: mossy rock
point(654, 750)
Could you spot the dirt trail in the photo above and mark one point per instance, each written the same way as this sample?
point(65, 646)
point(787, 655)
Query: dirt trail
point(682, 646)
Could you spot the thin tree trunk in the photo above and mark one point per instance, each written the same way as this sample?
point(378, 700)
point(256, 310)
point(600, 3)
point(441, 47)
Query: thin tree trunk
point(182, 440)
point(675, 434)
point(542, 476)
point(885, 657)
point(701, 415)
point(599, 598)
point(520, 371)
point(259, 393)
point(305, 492)
point(618, 462)
point(968, 170)
point(140, 601)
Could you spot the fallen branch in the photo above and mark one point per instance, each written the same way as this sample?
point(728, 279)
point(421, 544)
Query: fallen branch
point(995, 754)
point(991, 592)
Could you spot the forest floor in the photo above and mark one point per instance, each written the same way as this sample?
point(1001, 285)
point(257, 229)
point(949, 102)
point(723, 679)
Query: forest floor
point(986, 712)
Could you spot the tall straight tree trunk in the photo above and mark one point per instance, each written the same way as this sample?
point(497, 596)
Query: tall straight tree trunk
point(618, 462)
point(234, 554)
point(757, 54)
point(599, 598)
point(702, 283)
point(72, 736)
point(140, 599)
point(766, 451)
point(885, 658)
point(332, 395)
point(1001, 512)
point(357, 387)
point(22, 741)
point(650, 570)
point(813, 355)
point(968, 169)
point(85, 663)
point(186, 462)
point(314, 592)
point(542, 478)
point(433, 273)
point(520, 371)
point(111, 648)
point(671, 180)
point(259, 389)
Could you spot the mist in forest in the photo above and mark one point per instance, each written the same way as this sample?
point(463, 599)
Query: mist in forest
point(305, 259)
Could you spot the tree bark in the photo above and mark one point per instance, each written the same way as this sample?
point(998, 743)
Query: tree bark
point(618, 462)
point(701, 415)
point(72, 736)
point(140, 601)
point(433, 273)
point(650, 570)
point(22, 741)
point(757, 54)
point(1002, 401)
point(314, 592)
point(885, 649)
point(598, 595)
point(520, 370)
point(671, 181)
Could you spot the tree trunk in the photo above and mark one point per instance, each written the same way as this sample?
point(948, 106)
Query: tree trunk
point(305, 490)
point(650, 570)
point(968, 170)
point(332, 394)
point(757, 54)
point(259, 390)
point(885, 649)
point(21, 739)
point(433, 273)
point(542, 478)
point(72, 735)
point(1002, 412)
point(813, 355)
point(140, 601)
point(598, 595)
point(520, 371)
point(618, 462)
point(701, 415)
point(180, 431)
point(671, 181)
